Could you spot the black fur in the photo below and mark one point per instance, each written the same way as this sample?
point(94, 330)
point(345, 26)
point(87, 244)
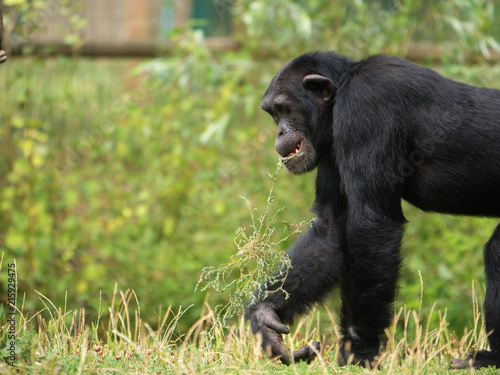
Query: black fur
point(3, 56)
point(378, 130)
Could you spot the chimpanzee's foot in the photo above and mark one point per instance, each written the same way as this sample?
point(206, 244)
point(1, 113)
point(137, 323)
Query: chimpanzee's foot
point(347, 356)
point(307, 353)
point(480, 359)
point(3, 56)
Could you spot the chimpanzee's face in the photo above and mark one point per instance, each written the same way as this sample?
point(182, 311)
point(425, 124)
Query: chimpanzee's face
point(301, 106)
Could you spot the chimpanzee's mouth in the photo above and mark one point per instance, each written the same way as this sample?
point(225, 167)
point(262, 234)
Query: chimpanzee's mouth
point(296, 152)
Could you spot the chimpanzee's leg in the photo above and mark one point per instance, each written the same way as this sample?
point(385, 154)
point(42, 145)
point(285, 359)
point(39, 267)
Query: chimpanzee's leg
point(368, 288)
point(485, 358)
point(492, 300)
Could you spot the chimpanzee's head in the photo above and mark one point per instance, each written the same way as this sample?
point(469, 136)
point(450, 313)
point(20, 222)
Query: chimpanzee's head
point(300, 100)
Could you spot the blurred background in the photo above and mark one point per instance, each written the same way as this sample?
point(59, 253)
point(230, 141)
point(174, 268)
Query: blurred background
point(129, 130)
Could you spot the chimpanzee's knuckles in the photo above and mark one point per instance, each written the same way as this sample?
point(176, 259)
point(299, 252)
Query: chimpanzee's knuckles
point(266, 316)
point(307, 353)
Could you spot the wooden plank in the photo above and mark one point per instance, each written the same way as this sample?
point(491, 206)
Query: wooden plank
point(138, 20)
point(182, 12)
point(105, 21)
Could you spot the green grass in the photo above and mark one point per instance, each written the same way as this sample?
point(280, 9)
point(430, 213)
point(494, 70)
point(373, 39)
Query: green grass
point(59, 340)
point(63, 343)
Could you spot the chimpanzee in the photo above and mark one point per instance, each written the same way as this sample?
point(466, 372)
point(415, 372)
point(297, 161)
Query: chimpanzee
point(3, 55)
point(377, 130)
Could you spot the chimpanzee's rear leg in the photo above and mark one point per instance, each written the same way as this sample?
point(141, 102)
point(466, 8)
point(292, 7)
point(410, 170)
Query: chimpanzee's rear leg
point(485, 358)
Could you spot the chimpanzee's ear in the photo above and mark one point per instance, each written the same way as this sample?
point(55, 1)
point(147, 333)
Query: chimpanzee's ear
point(322, 86)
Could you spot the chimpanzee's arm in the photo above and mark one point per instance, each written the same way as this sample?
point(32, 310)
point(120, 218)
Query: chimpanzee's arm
point(316, 259)
point(3, 56)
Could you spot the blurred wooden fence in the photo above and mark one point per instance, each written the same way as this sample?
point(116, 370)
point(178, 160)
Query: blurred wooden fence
point(128, 27)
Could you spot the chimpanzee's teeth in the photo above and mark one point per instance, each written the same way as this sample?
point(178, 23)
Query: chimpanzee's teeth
point(294, 152)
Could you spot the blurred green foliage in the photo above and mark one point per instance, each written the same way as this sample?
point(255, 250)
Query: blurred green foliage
point(463, 29)
point(114, 172)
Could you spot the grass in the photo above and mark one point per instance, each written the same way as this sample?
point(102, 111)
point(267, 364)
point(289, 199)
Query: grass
point(259, 260)
point(59, 340)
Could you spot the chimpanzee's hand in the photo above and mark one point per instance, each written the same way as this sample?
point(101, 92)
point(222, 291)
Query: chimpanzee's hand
point(266, 322)
point(3, 56)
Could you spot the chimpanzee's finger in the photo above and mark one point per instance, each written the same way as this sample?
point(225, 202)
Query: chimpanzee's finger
point(273, 322)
